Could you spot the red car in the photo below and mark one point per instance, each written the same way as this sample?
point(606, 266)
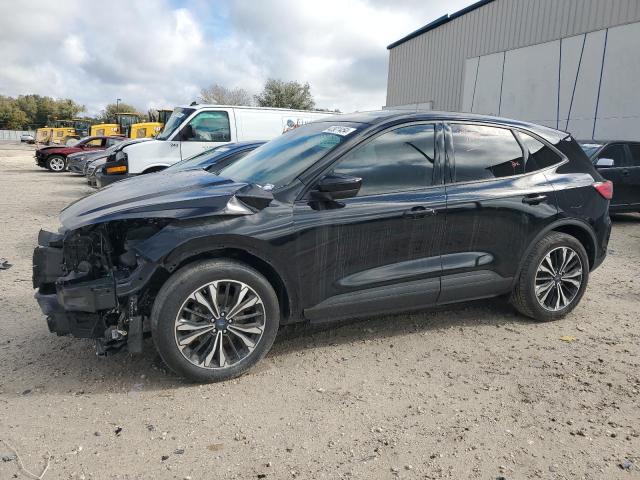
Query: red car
point(55, 157)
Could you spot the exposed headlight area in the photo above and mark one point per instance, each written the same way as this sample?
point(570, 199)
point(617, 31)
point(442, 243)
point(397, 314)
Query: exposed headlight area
point(92, 283)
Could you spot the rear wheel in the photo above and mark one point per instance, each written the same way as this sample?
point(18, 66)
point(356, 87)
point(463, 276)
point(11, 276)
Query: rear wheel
point(215, 319)
point(56, 163)
point(553, 278)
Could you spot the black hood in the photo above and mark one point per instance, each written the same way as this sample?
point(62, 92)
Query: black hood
point(177, 195)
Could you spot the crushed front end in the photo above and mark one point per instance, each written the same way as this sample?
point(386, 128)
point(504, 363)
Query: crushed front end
point(91, 283)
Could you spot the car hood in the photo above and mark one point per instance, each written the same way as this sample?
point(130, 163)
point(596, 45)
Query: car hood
point(63, 149)
point(177, 195)
point(51, 147)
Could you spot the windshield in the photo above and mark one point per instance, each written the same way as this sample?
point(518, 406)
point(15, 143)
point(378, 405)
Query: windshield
point(176, 118)
point(278, 162)
point(199, 157)
point(112, 148)
point(590, 148)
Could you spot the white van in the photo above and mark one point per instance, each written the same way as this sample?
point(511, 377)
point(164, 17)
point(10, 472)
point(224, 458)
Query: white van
point(194, 128)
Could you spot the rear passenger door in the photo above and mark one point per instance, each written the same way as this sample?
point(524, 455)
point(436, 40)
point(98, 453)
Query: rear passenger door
point(613, 164)
point(497, 201)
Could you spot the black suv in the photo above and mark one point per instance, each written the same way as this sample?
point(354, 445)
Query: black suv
point(618, 161)
point(353, 216)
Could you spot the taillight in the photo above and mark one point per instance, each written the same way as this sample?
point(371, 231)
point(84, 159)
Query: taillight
point(605, 189)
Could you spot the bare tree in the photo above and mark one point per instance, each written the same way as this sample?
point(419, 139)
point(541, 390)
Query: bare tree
point(220, 95)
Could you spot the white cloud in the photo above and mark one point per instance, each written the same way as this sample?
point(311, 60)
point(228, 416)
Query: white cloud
point(161, 53)
point(74, 49)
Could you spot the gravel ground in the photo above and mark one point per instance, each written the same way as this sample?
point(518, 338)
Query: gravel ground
point(473, 391)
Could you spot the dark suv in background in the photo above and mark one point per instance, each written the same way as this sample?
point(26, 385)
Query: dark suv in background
point(352, 216)
point(619, 162)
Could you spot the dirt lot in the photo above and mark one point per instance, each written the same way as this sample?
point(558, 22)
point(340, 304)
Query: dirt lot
point(474, 391)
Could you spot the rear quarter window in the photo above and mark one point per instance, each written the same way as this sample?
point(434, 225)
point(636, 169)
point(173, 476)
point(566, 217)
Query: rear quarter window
point(539, 155)
point(483, 153)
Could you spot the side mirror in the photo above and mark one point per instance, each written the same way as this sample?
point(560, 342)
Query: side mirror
point(336, 187)
point(186, 133)
point(604, 162)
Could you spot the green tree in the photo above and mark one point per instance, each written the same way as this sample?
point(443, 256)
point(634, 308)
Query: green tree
point(278, 93)
point(11, 117)
point(108, 115)
point(67, 108)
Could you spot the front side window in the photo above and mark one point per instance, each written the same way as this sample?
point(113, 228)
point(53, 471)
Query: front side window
point(616, 153)
point(635, 154)
point(209, 127)
point(539, 155)
point(113, 141)
point(399, 160)
point(590, 148)
point(483, 153)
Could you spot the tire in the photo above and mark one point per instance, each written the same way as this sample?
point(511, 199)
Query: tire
point(57, 163)
point(548, 304)
point(182, 305)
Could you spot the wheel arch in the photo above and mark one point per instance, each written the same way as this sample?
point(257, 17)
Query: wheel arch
point(252, 257)
point(578, 229)
point(153, 169)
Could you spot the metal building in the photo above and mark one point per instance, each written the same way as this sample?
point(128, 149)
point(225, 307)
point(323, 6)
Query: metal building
point(569, 64)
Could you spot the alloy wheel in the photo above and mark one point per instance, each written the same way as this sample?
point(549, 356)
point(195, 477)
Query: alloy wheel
point(220, 324)
point(558, 278)
point(57, 164)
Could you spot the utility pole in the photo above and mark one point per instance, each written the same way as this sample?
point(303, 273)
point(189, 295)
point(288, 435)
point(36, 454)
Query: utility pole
point(118, 100)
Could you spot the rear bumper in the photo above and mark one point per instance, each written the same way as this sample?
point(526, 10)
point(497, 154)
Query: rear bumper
point(603, 233)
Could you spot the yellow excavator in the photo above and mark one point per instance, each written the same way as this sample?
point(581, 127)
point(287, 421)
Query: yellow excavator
point(62, 131)
point(129, 125)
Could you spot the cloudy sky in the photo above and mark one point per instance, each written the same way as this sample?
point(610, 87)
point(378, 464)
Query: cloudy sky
point(158, 53)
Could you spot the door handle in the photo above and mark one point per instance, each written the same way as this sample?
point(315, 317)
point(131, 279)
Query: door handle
point(533, 199)
point(419, 212)
point(625, 172)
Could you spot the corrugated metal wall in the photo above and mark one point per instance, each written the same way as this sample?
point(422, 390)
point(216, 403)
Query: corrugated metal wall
point(430, 67)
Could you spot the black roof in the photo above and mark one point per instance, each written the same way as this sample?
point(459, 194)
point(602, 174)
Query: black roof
point(439, 21)
point(379, 116)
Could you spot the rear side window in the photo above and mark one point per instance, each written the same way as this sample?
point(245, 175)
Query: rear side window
point(615, 152)
point(635, 154)
point(483, 153)
point(399, 160)
point(540, 156)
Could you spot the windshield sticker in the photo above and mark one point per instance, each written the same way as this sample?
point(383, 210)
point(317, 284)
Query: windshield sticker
point(342, 131)
point(591, 145)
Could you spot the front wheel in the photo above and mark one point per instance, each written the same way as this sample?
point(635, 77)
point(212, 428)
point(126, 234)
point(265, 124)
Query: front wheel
point(56, 163)
point(213, 320)
point(553, 278)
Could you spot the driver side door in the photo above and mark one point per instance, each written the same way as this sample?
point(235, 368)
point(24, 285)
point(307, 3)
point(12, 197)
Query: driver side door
point(207, 129)
point(379, 250)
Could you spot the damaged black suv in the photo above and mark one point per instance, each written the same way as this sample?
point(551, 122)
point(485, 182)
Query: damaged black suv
point(352, 216)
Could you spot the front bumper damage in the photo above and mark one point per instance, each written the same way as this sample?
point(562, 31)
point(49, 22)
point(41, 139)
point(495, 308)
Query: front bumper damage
point(104, 309)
